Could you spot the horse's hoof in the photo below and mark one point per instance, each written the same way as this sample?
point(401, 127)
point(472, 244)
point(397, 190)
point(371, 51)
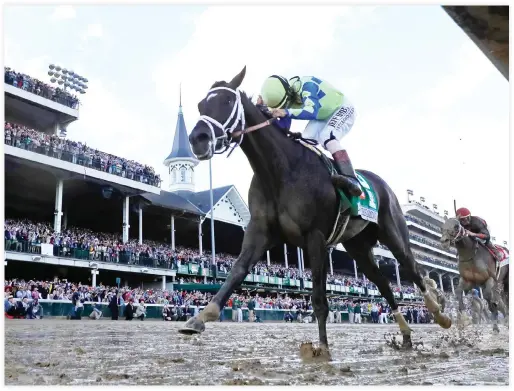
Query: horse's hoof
point(193, 326)
point(407, 341)
point(444, 321)
point(308, 353)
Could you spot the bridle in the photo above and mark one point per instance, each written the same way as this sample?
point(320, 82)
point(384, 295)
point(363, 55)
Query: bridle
point(461, 234)
point(229, 133)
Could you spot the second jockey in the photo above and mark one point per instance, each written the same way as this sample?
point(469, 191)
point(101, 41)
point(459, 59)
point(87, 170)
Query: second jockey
point(330, 114)
point(477, 227)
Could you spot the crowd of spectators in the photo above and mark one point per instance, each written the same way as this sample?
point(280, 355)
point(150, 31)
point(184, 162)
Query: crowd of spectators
point(78, 153)
point(35, 86)
point(26, 236)
point(180, 305)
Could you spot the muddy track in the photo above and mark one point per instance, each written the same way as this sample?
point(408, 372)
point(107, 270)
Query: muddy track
point(152, 353)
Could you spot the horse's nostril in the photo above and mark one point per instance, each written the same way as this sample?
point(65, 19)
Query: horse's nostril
point(203, 137)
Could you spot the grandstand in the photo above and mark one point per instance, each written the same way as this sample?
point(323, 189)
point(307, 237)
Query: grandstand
point(54, 185)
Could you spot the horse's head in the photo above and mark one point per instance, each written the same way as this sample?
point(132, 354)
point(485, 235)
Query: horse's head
point(221, 113)
point(452, 230)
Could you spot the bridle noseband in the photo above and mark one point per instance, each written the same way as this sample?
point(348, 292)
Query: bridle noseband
point(230, 133)
point(237, 115)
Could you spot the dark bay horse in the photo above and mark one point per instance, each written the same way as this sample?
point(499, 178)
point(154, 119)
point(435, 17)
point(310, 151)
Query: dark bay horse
point(292, 200)
point(477, 267)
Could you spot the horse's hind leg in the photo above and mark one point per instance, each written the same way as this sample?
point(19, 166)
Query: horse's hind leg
point(256, 241)
point(318, 260)
point(393, 232)
point(364, 258)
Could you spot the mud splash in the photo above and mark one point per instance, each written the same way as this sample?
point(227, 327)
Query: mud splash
point(60, 352)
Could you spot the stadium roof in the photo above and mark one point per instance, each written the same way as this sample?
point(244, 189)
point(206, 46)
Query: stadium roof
point(199, 203)
point(181, 148)
point(488, 28)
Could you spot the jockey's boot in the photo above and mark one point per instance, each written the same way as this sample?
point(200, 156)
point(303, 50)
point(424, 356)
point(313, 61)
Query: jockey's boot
point(348, 179)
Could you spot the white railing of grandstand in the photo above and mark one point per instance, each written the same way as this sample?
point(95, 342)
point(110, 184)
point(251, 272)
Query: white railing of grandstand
point(424, 228)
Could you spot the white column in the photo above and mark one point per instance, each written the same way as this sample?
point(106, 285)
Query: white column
point(93, 277)
point(140, 225)
point(397, 273)
point(126, 225)
point(173, 232)
point(303, 262)
point(58, 205)
point(451, 282)
point(331, 262)
point(441, 281)
point(200, 247)
point(268, 258)
point(285, 255)
point(481, 293)
point(299, 256)
point(355, 269)
point(163, 283)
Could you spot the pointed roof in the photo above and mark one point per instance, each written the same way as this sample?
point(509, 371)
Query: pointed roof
point(181, 148)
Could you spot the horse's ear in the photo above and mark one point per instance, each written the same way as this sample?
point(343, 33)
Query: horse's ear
point(238, 79)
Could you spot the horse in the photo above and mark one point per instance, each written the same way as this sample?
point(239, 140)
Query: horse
point(293, 200)
point(479, 310)
point(477, 267)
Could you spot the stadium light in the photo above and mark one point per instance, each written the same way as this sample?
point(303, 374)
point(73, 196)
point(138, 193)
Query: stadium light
point(67, 79)
point(446, 213)
point(505, 243)
point(422, 199)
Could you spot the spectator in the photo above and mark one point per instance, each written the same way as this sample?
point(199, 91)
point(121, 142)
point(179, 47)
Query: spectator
point(129, 310)
point(141, 310)
point(357, 313)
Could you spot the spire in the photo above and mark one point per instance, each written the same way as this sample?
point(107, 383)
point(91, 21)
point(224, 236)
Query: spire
point(180, 98)
point(181, 148)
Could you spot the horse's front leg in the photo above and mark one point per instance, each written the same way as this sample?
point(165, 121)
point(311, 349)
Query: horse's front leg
point(317, 255)
point(462, 289)
point(255, 243)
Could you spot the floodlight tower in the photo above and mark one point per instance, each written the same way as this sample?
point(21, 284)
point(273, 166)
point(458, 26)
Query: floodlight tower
point(67, 79)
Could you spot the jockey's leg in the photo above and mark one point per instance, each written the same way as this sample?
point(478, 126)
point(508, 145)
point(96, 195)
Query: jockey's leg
point(493, 248)
point(334, 130)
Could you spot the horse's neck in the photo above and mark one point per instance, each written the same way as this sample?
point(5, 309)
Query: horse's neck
point(465, 248)
point(266, 149)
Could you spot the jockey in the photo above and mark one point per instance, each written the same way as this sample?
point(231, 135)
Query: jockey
point(329, 112)
point(477, 227)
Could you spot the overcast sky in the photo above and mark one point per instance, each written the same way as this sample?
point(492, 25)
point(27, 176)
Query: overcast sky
point(432, 111)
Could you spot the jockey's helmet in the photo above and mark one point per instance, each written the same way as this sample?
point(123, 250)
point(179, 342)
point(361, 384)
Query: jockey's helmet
point(276, 92)
point(464, 215)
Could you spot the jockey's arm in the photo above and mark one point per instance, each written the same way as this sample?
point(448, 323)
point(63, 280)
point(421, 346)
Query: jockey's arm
point(481, 230)
point(310, 101)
